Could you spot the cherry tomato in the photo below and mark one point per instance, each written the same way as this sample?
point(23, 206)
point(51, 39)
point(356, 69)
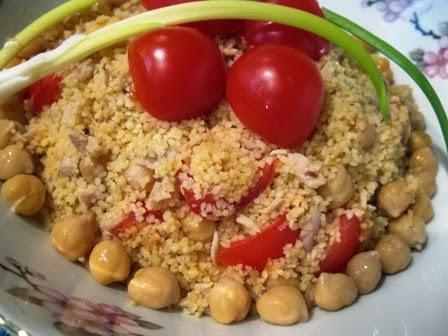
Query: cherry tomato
point(264, 32)
point(178, 73)
point(277, 92)
point(130, 221)
point(212, 27)
point(339, 253)
point(44, 92)
point(255, 251)
point(265, 179)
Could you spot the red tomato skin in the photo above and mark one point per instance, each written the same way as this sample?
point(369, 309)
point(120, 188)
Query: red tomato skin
point(178, 73)
point(264, 32)
point(130, 221)
point(212, 27)
point(339, 253)
point(256, 250)
point(277, 92)
point(44, 92)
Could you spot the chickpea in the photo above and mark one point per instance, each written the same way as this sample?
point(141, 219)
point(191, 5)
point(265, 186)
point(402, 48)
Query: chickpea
point(280, 281)
point(198, 228)
point(427, 182)
point(139, 177)
point(37, 45)
point(109, 262)
point(8, 129)
point(74, 236)
point(419, 139)
point(410, 228)
point(394, 198)
point(395, 254)
point(90, 169)
point(229, 301)
point(423, 207)
point(423, 160)
point(335, 291)
point(12, 109)
point(365, 269)
point(154, 287)
point(15, 160)
point(339, 189)
point(24, 193)
point(366, 132)
point(282, 305)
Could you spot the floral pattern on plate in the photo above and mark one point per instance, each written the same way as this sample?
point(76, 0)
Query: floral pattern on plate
point(73, 315)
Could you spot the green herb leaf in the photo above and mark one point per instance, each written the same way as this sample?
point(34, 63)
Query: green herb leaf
point(401, 60)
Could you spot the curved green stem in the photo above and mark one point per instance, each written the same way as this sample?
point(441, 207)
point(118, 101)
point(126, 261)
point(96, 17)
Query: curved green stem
point(43, 23)
point(400, 60)
point(223, 9)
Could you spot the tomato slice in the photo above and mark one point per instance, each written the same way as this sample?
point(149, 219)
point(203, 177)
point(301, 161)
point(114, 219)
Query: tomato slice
point(130, 221)
point(197, 204)
point(255, 251)
point(44, 92)
point(339, 253)
point(266, 177)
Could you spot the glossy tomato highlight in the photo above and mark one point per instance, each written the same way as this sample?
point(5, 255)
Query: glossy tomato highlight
point(178, 73)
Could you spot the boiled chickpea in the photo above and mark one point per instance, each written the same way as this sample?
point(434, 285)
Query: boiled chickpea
point(383, 66)
point(339, 189)
point(410, 228)
point(280, 281)
point(423, 160)
point(366, 132)
point(198, 228)
point(422, 207)
point(24, 193)
point(109, 262)
point(427, 182)
point(8, 129)
point(74, 236)
point(365, 269)
point(15, 160)
point(282, 305)
point(419, 139)
point(154, 287)
point(395, 254)
point(229, 301)
point(335, 291)
point(394, 198)
point(139, 177)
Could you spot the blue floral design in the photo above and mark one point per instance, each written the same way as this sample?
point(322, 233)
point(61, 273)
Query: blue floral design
point(399, 9)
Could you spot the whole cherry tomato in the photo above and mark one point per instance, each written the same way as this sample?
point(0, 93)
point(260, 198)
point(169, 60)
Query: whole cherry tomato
point(339, 253)
point(178, 73)
point(256, 250)
point(212, 27)
point(277, 92)
point(44, 92)
point(264, 32)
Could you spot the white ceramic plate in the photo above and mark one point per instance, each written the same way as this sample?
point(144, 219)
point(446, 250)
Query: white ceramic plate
point(45, 295)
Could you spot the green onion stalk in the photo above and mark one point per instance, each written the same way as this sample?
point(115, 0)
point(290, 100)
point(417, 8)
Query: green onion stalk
point(185, 13)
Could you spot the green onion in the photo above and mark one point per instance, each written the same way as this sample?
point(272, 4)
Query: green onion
point(208, 10)
point(42, 24)
point(400, 60)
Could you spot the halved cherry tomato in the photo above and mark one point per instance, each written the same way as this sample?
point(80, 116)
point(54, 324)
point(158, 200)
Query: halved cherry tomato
point(44, 92)
point(277, 92)
point(212, 27)
point(196, 204)
point(256, 250)
point(339, 253)
point(265, 179)
point(130, 221)
point(178, 73)
point(264, 32)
